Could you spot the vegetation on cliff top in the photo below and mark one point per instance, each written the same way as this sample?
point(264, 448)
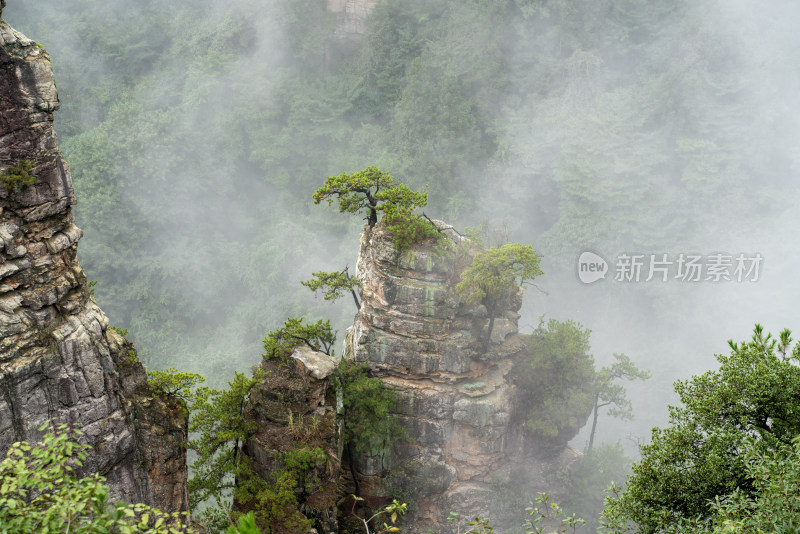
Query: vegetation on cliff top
point(496, 275)
point(371, 191)
point(317, 336)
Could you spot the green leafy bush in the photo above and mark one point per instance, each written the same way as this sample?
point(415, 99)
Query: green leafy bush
point(496, 275)
point(223, 473)
point(219, 422)
point(41, 492)
point(368, 427)
point(302, 462)
point(555, 377)
point(726, 449)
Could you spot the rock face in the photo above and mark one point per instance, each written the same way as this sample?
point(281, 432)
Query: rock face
point(59, 361)
point(351, 17)
point(456, 397)
point(295, 409)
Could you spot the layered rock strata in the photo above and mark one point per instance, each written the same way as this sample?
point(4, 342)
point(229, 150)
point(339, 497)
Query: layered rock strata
point(295, 408)
point(59, 361)
point(456, 397)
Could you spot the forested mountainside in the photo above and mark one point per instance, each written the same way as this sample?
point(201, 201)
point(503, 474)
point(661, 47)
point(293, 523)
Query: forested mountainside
point(196, 135)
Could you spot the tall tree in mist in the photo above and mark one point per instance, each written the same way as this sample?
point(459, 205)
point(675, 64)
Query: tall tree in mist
point(609, 393)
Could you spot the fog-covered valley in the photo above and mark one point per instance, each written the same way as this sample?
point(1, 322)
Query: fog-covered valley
point(197, 132)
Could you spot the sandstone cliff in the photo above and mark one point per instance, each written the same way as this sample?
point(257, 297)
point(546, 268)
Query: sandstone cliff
point(295, 408)
point(59, 361)
point(456, 397)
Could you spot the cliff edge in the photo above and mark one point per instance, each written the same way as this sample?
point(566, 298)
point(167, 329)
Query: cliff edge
point(59, 361)
point(456, 396)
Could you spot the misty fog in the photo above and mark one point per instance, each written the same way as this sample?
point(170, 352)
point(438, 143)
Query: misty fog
point(197, 131)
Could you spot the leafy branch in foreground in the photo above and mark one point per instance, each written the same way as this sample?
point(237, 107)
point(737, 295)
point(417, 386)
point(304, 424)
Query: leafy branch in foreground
point(334, 284)
point(544, 513)
point(40, 492)
point(478, 525)
point(393, 510)
point(544, 516)
point(746, 409)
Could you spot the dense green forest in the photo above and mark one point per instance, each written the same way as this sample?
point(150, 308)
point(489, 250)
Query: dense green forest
point(197, 131)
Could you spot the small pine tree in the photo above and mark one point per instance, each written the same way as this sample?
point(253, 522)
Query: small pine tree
point(16, 177)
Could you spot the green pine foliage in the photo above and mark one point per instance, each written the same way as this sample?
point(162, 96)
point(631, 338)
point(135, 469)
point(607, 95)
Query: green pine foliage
point(496, 275)
point(221, 429)
point(356, 192)
point(334, 284)
point(301, 463)
point(175, 384)
point(609, 392)
point(17, 176)
point(223, 474)
point(274, 502)
point(368, 428)
point(280, 343)
point(371, 191)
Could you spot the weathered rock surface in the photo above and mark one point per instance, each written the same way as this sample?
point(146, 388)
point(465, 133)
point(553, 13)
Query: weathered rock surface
point(351, 17)
point(295, 408)
point(456, 397)
point(59, 361)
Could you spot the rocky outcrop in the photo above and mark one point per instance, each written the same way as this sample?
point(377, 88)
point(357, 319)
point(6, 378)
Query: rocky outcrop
point(295, 410)
point(351, 17)
point(59, 361)
point(456, 397)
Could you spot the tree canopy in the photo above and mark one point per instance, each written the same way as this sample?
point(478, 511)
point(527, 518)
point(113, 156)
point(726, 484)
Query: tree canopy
point(554, 377)
point(334, 284)
point(748, 407)
point(370, 191)
point(608, 392)
point(496, 274)
point(317, 336)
